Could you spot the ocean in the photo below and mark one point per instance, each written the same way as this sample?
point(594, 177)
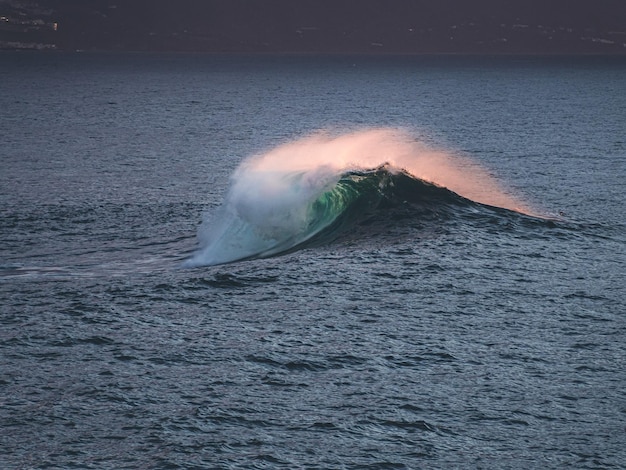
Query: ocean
point(348, 262)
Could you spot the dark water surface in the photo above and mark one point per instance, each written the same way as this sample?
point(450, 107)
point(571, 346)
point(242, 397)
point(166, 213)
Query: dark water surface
point(470, 337)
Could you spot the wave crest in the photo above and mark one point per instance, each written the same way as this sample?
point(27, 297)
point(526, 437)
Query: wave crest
point(311, 190)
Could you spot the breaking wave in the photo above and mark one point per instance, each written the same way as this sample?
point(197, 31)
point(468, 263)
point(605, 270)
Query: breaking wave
point(311, 191)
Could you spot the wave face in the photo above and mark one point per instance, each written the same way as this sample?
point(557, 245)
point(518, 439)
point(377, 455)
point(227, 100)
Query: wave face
point(311, 191)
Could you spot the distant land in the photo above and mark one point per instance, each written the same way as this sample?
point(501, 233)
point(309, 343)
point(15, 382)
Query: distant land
point(317, 26)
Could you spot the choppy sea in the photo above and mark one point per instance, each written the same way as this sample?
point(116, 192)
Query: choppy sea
point(214, 262)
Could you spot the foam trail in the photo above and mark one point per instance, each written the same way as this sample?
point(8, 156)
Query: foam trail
point(268, 207)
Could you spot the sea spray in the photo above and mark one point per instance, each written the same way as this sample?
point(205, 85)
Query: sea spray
point(370, 148)
point(274, 200)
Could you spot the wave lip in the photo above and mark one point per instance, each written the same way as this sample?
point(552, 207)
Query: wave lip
point(311, 191)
